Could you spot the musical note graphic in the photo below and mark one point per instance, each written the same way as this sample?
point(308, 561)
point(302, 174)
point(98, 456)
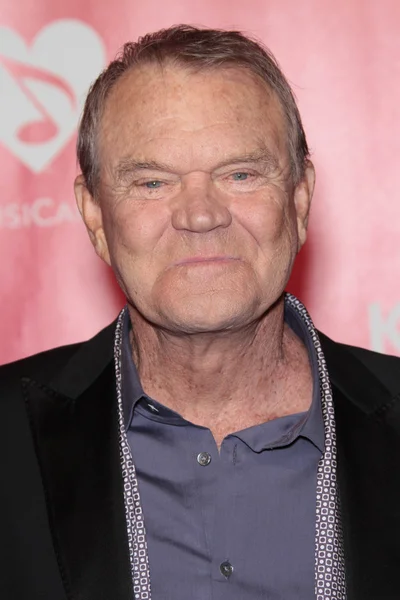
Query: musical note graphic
point(43, 82)
point(45, 128)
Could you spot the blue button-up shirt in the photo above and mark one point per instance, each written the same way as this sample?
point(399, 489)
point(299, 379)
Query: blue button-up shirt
point(238, 524)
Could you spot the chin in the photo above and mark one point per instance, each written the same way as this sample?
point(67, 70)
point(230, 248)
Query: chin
point(206, 314)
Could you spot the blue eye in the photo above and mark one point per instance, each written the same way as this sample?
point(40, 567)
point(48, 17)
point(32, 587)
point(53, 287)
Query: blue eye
point(153, 185)
point(240, 176)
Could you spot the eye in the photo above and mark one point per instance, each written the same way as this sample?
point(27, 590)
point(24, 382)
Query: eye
point(153, 185)
point(240, 176)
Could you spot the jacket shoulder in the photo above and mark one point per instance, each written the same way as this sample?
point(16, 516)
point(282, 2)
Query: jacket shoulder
point(42, 365)
point(384, 367)
point(46, 366)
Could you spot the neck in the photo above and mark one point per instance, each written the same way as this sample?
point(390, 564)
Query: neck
point(224, 381)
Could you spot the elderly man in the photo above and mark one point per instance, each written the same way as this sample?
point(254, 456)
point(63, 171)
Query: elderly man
point(209, 444)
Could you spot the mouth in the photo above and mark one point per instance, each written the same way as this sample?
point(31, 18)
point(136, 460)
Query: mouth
point(200, 260)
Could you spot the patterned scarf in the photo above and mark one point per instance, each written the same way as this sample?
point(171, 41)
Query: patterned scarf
point(329, 559)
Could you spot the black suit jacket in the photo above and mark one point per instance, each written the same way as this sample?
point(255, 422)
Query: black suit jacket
point(62, 521)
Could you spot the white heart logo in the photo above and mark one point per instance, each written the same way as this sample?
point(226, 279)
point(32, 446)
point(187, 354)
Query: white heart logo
point(43, 87)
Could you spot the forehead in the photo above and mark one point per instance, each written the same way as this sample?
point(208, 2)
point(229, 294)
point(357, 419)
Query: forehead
point(154, 109)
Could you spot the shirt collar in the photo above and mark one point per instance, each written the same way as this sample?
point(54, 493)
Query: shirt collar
point(309, 426)
point(312, 425)
point(132, 390)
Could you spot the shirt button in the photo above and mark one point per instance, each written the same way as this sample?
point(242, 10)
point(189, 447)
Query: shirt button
point(204, 459)
point(226, 569)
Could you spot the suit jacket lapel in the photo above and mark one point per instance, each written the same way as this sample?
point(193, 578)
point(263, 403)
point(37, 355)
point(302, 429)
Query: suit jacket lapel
point(75, 429)
point(368, 442)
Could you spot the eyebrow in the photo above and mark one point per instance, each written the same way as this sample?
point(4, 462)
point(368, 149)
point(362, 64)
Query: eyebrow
point(128, 165)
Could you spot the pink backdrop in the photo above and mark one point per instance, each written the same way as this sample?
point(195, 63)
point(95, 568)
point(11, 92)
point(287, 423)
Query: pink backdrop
point(343, 59)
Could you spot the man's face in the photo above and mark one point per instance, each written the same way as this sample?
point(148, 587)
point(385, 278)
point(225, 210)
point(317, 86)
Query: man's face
point(196, 211)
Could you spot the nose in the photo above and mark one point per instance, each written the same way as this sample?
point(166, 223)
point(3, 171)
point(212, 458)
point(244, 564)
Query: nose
point(199, 208)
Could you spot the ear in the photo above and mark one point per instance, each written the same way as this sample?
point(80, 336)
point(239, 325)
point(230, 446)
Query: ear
point(303, 194)
point(91, 213)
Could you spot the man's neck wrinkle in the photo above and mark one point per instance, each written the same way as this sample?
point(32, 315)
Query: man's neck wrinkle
point(198, 380)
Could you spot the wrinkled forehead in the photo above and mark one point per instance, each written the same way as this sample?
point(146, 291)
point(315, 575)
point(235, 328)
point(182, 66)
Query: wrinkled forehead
point(155, 107)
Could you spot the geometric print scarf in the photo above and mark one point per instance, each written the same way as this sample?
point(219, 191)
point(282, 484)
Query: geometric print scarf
point(330, 583)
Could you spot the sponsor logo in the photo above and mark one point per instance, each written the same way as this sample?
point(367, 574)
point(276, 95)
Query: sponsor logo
point(384, 328)
point(42, 212)
point(43, 86)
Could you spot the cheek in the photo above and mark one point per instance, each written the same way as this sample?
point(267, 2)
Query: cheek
point(132, 239)
point(133, 233)
point(271, 222)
